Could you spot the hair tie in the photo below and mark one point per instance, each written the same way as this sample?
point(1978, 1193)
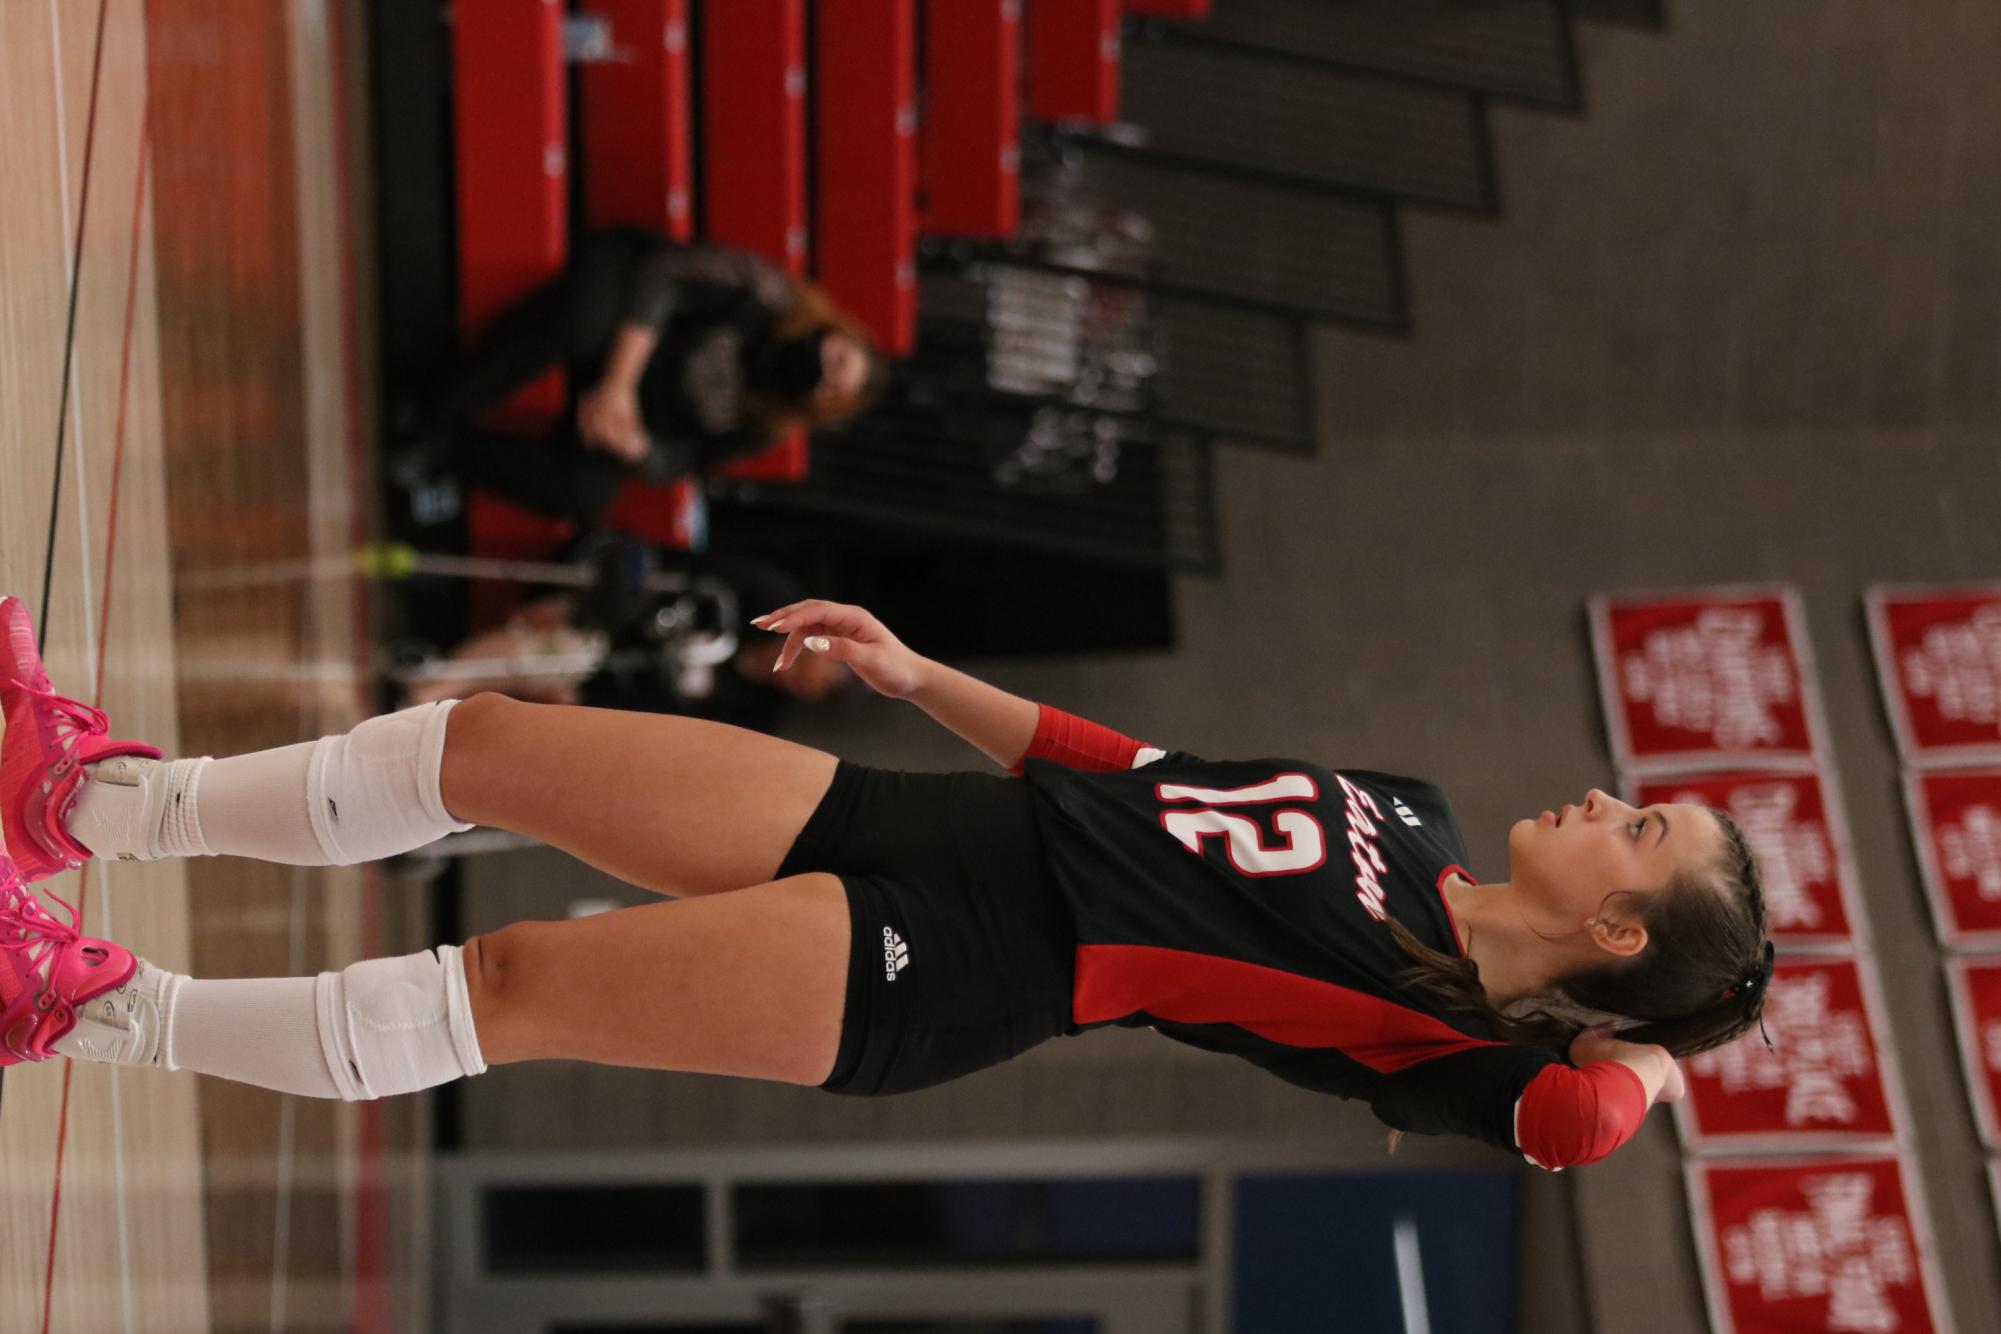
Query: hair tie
point(1759, 979)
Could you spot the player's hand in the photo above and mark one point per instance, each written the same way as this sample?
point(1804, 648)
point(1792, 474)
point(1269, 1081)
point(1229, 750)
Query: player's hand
point(1656, 1068)
point(845, 634)
point(608, 419)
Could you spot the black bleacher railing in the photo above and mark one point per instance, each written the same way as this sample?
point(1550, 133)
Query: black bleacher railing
point(1243, 376)
point(1237, 374)
point(1160, 289)
point(1234, 109)
point(1167, 267)
point(1258, 243)
point(1031, 334)
point(1635, 13)
point(1012, 472)
point(1516, 49)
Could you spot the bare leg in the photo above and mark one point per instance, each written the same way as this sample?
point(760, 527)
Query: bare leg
point(676, 805)
point(751, 983)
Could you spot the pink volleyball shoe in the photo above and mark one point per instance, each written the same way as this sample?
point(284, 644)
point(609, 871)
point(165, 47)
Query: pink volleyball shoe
point(48, 742)
point(48, 972)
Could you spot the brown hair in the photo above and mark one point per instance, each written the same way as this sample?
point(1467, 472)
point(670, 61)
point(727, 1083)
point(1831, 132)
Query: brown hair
point(1699, 982)
point(813, 309)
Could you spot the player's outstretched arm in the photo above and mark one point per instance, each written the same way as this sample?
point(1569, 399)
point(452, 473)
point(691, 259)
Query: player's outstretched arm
point(1006, 728)
point(1002, 726)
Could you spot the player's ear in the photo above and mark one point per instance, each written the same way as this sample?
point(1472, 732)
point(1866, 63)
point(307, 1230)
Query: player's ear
point(1616, 935)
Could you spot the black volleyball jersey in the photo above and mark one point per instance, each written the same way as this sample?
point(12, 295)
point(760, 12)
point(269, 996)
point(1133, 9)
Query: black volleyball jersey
point(1243, 907)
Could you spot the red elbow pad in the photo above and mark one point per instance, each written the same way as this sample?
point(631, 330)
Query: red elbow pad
point(1077, 743)
point(1567, 1117)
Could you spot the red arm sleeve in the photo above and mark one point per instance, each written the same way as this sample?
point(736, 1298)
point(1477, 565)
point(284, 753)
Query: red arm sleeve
point(1077, 743)
point(1567, 1117)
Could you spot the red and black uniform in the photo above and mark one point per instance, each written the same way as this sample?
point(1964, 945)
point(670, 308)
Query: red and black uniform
point(1241, 907)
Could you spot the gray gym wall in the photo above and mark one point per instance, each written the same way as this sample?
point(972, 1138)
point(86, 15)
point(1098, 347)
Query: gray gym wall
point(1740, 321)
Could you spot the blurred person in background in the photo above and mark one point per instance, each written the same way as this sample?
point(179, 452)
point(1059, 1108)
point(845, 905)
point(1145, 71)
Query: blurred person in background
point(613, 649)
point(680, 357)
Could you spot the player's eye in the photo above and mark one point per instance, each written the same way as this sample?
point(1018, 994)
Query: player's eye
point(1638, 827)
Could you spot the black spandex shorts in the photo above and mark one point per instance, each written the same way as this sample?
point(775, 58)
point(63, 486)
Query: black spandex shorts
point(963, 946)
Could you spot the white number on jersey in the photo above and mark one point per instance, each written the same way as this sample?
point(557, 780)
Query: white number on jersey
point(1298, 843)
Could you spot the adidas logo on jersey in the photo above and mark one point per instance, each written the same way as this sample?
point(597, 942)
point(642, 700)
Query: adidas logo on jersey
point(1407, 815)
point(895, 954)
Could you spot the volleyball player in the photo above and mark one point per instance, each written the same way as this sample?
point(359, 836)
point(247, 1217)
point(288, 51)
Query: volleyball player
point(872, 932)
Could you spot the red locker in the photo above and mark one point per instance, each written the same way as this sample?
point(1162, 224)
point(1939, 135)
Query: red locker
point(754, 127)
point(865, 122)
point(1073, 60)
point(512, 132)
point(970, 131)
point(638, 160)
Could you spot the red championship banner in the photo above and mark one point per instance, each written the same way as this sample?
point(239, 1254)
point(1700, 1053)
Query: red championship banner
point(1975, 983)
point(1822, 1084)
point(1938, 656)
point(1956, 824)
point(1793, 824)
point(1832, 1245)
point(1708, 679)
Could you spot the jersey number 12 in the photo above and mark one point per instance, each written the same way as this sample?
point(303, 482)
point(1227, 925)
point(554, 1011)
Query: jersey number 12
point(1297, 843)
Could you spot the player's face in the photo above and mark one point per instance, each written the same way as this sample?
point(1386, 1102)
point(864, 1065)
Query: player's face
point(1566, 861)
point(843, 370)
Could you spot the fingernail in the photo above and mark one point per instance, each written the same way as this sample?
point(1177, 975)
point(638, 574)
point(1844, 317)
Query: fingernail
point(818, 643)
point(778, 666)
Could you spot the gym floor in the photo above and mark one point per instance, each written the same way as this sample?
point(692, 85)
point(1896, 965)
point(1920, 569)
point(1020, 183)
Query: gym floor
point(176, 269)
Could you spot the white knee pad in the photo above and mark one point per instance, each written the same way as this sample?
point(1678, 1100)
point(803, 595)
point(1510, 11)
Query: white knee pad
point(390, 1026)
point(374, 792)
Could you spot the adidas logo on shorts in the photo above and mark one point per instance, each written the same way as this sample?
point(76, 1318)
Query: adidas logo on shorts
point(1407, 815)
point(895, 954)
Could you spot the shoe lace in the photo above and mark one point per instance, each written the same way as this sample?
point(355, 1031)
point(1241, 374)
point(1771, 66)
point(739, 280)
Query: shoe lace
point(34, 937)
point(65, 721)
point(83, 720)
